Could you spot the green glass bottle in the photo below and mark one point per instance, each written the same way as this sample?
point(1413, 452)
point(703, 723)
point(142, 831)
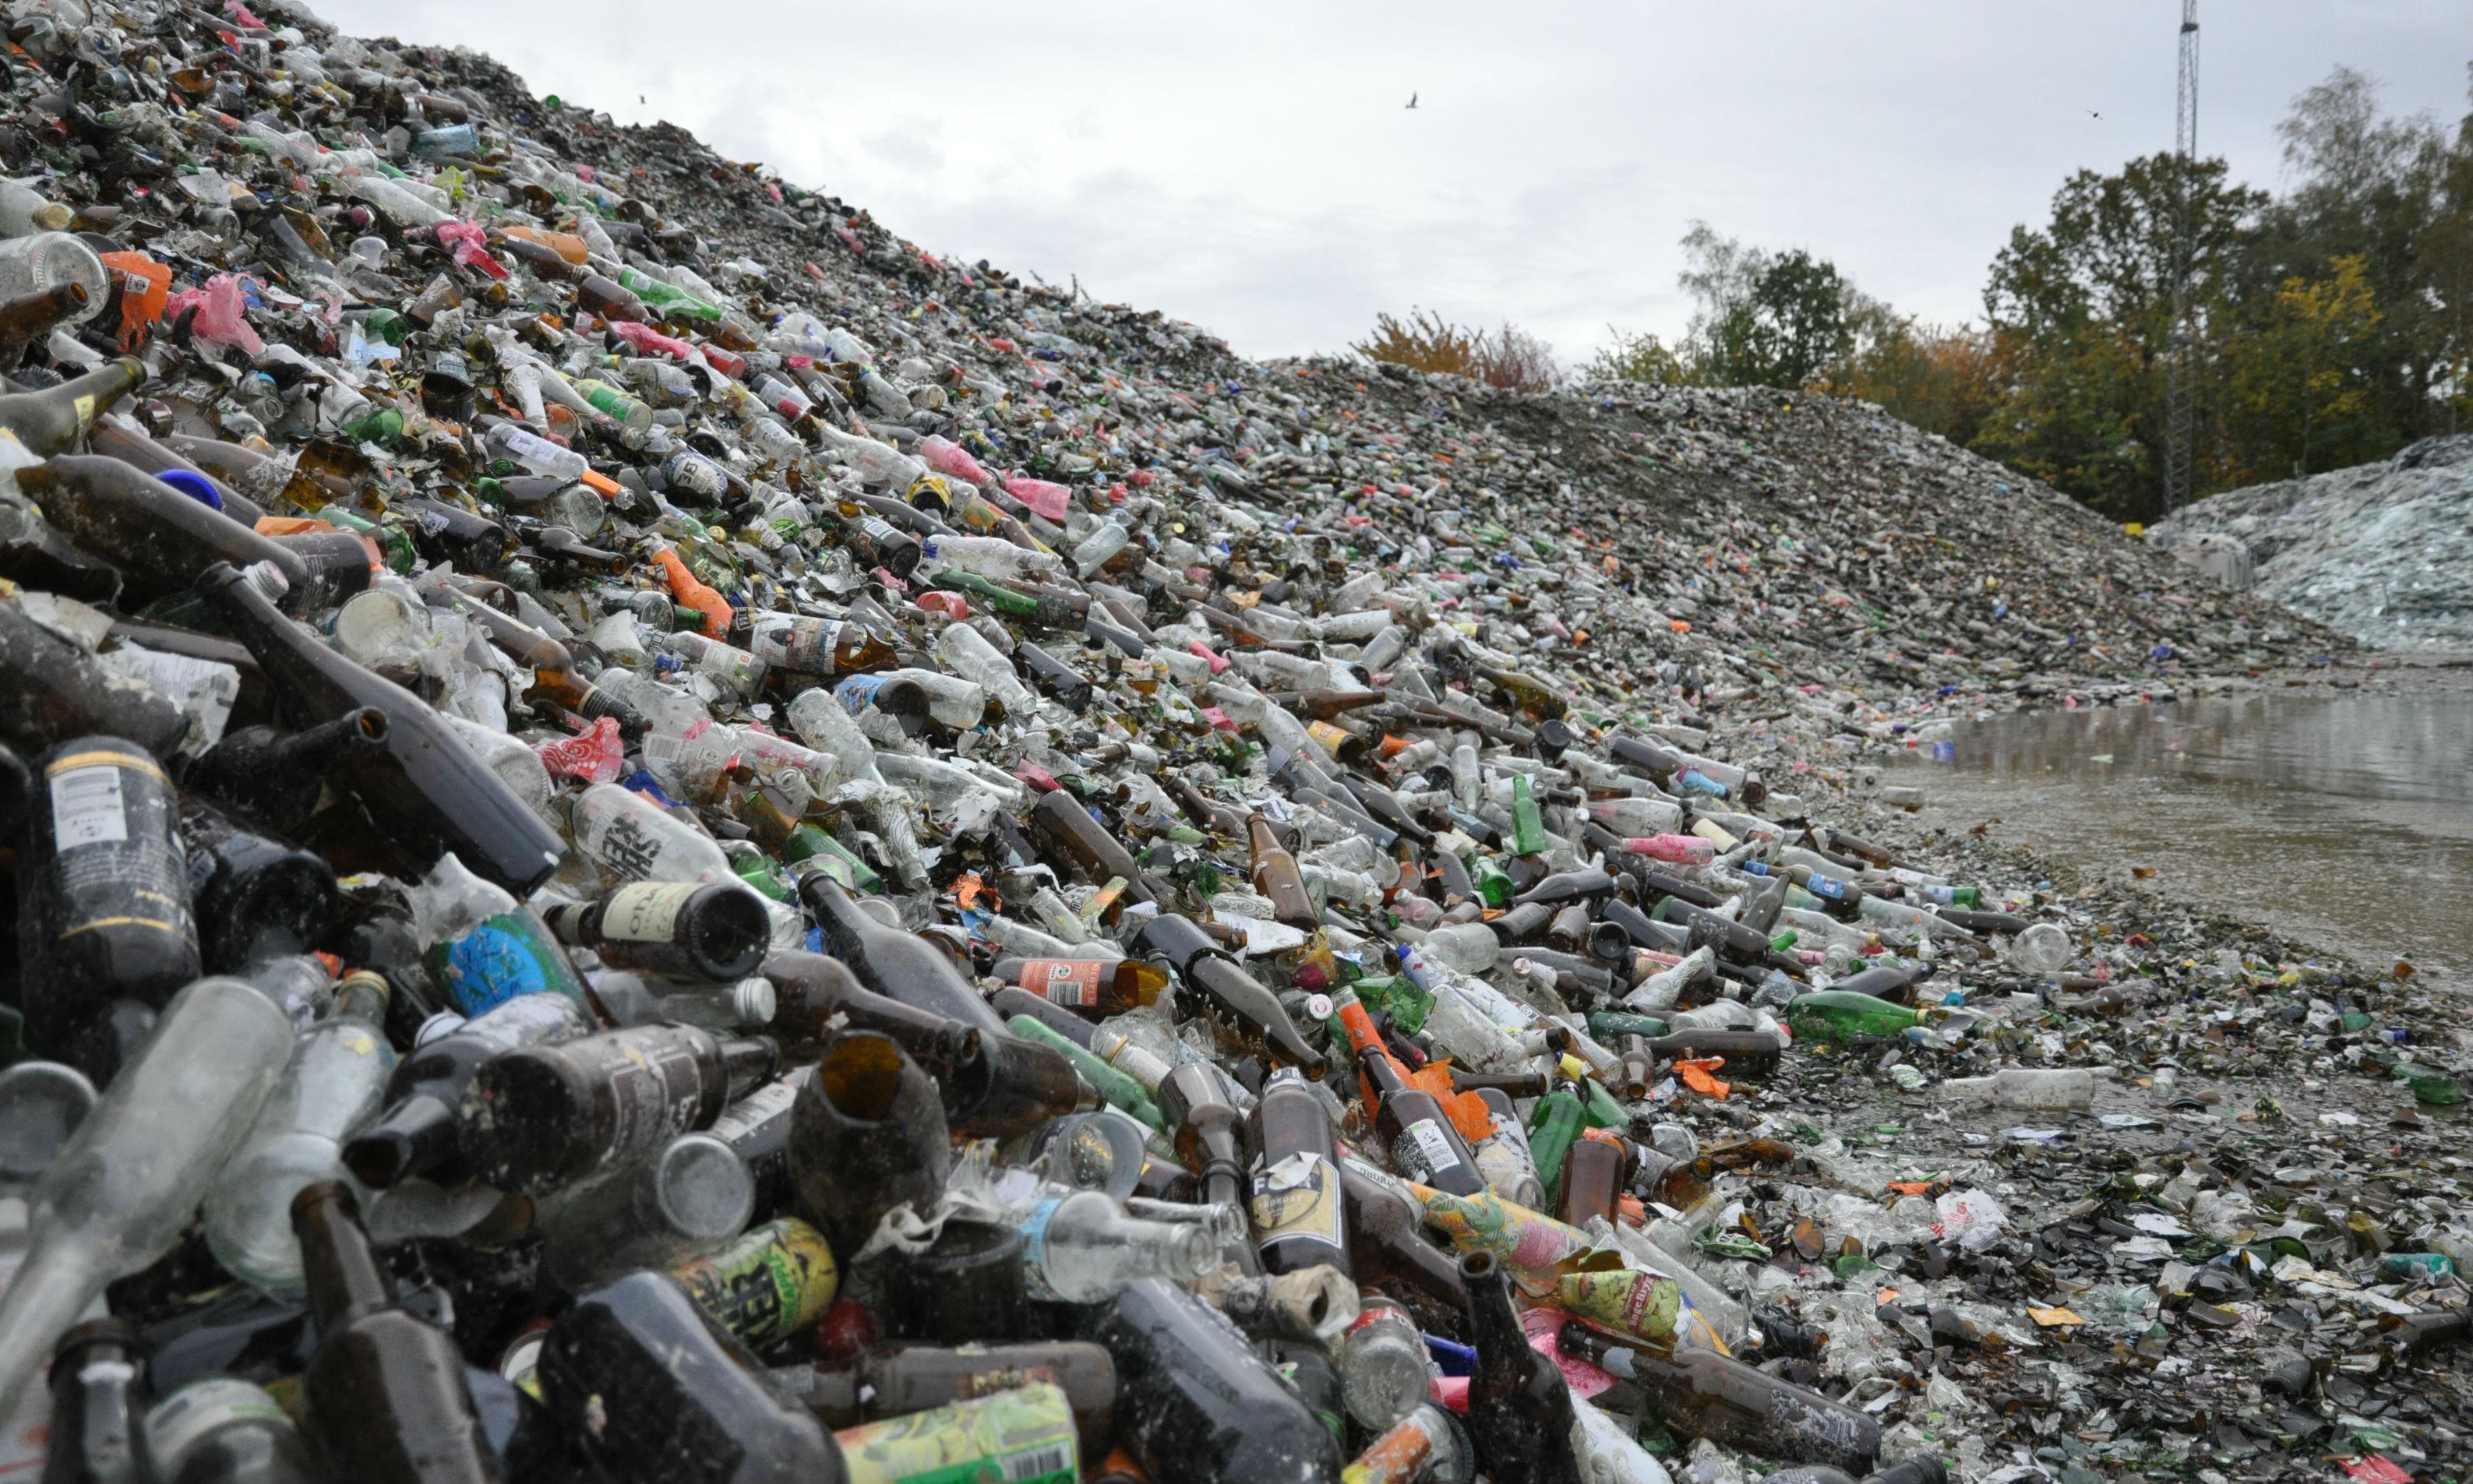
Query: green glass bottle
point(1493, 884)
point(1527, 822)
point(1836, 1015)
point(1553, 1127)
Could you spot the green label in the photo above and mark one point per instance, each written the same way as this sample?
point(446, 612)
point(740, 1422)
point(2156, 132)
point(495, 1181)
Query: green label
point(1022, 1436)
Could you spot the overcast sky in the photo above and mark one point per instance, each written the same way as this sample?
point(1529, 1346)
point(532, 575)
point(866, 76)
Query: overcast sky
point(1251, 167)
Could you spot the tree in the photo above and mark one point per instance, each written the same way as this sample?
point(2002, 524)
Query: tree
point(1510, 357)
point(1774, 319)
point(1640, 357)
point(1940, 379)
point(2298, 398)
point(1426, 341)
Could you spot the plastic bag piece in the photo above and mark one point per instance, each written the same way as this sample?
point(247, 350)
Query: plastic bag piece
point(222, 317)
point(596, 754)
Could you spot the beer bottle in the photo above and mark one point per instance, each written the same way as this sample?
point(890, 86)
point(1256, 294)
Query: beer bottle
point(1060, 823)
point(1206, 1132)
point(653, 1390)
point(1594, 1172)
point(384, 1399)
point(98, 1432)
point(1276, 877)
point(1242, 1005)
point(546, 1115)
point(800, 645)
point(416, 1132)
point(53, 688)
point(277, 777)
point(424, 784)
point(255, 897)
point(715, 933)
point(103, 898)
point(1091, 988)
point(867, 1134)
point(1716, 1397)
point(894, 963)
point(55, 418)
point(812, 994)
point(555, 677)
point(159, 538)
point(693, 1194)
point(1424, 1144)
point(1518, 1408)
point(1298, 1210)
point(1185, 1374)
point(1387, 1243)
point(29, 316)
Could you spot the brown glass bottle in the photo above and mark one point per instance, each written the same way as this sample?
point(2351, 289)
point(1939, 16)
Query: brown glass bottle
point(867, 1134)
point(1388, 1248)
point(812, 994)
point(555, 677)
point(1299, 1213)
point(1091, 988)
point(384, 1396)
point(30, 316)
point(892, 1380)
point(158, 538)
point(51, 688)
point(276, 778)
point(1240, 1004)
point(598, 296)
point(425, 785)
point(544, 1116)
point(1518, 1407)
point(1595, 1171)
point(1061, 825)
point(1277, 876)
point(801, 644)
point(255, 897)
point(1207, 1135)
point(1735, 1405)
point(683, 929)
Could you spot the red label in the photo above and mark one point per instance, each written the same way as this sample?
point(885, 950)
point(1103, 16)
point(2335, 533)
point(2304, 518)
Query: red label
point(1064, 981)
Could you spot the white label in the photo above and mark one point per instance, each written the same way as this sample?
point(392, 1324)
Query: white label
point(1424, 1151)
point(86, 807)
point(1056, 1458)
point(646, 912)
point(750, 1113)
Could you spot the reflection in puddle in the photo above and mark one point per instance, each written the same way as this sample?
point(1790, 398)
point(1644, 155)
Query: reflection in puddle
point(2345, 822)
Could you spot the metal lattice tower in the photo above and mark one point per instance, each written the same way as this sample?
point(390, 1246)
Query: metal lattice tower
point(2181, 367)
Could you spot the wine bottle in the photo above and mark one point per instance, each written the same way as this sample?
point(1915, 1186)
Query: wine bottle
point(158, 538)
point(277, 777)
point(1240, 1004)
point(1518, 1407)
point(867, 1134)
point(894, 963)
point(53, 420)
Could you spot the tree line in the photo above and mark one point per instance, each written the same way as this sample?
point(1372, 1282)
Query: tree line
point(2333, 319)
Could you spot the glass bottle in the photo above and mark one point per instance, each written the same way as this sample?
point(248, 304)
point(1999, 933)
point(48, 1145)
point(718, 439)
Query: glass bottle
point(867, 1134)
point(1298, 1212)
point(118, 1196)
point(1518, 1408)
point(224, 1431)
point(1184, 1374)
point(1081, 1248)
point(715, 933)
point(384, 1399)
point(693, 1195)
point(424, 785)
point(98, 1433)
point(546, 1115)
point(336, 1076)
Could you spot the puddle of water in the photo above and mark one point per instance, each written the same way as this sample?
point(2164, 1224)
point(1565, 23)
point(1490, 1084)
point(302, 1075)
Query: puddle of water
point(2346, 823)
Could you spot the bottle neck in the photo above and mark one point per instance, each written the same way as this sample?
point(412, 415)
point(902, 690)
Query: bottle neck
point(344, 1277)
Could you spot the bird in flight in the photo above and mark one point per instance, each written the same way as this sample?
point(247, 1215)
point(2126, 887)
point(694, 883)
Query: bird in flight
point(1412, 100)
point(2092, 113)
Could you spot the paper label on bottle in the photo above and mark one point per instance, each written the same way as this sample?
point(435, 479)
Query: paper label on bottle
point(1297, 1196)
point(758, 1108)
point(768, 1284)
point(87, 808)
point(189, 1414)
point(1020, 1435)
point(1067, 982)
point(1034, 1251)
point(1423, 1151)
point(646, 911)
point(805, 645)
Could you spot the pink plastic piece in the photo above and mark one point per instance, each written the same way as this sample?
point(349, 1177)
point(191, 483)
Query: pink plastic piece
point(594, 754)
point(950, 457)
point(223, 314)
point(471, 244)
point(1049, 499)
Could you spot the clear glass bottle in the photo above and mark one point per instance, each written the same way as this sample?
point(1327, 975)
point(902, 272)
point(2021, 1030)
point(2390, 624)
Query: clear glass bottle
point(1081, 1248)
point(336, 1078)
point(121, 1192)
point(692, 1196)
